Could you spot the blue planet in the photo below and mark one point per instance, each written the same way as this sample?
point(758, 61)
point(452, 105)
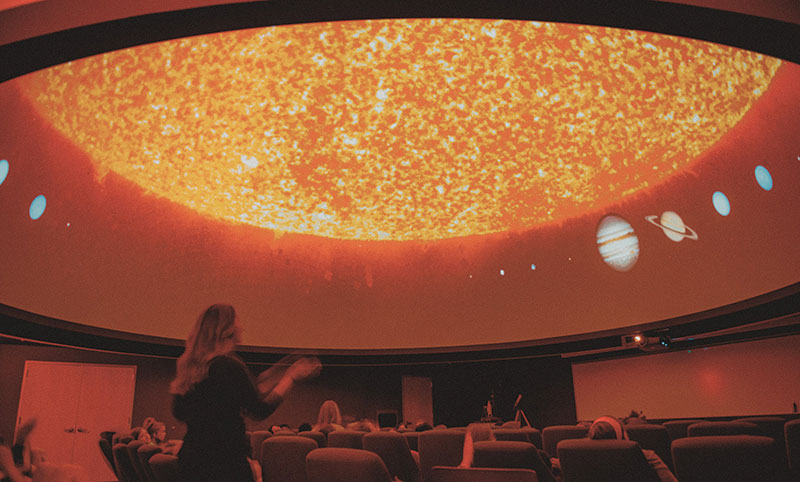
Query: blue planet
point(37, 207)
point(721, 203)
point(3, 170)
point(763, 178)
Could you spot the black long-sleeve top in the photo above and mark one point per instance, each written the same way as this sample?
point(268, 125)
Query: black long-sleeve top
point(213, 411)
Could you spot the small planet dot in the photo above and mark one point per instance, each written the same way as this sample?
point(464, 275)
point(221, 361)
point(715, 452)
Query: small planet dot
point(37, 207)
point(721, 203)
point(502, 272)
point(533, 266)
point(764, 178)
point(3, 170)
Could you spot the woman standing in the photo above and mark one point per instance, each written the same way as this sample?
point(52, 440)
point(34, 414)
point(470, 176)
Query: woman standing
point(212, 390)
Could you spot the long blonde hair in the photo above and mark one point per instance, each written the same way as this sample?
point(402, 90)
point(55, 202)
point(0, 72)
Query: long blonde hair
point(211, 336)
point(328, 414)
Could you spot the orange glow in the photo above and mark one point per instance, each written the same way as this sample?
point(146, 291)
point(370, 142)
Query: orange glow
point(401, 129)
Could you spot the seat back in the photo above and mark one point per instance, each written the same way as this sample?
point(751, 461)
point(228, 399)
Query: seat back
point(413, 440)
point(123, 463)
point(678, 428)
point(256, 439)
point(133, 454)
point(556, 433)
point(144, 454)
point(165, 468)
point(440, 447)
point(283, 459)
point(769, 427)
point(350, 439)
point(337, 464)
point(652, 437)
point(393, 449)
point(726, 458)
point(511, 455)
point(480, 474)
point(791, 433)
point(534, 435)
point(108, 455)
point(586, 460)
point(316, 436)
point(705, 429)
point(511, 435)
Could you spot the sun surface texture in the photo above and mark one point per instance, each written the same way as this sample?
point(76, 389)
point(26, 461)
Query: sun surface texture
point(401, 129)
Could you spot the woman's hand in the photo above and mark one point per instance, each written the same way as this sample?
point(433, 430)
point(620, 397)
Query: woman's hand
point(305, 368)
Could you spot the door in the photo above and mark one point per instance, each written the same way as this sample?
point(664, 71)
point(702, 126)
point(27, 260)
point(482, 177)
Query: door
point(73, 403)
point(417, 399)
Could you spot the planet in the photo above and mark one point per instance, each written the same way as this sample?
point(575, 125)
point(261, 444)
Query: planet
point(763, 178)
point(673, 226)
point(37, 207)
point(617, 243)
point(3, 170)
point(721, 203)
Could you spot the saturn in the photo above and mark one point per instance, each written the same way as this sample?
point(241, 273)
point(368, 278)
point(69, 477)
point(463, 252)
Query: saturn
point(673, 226)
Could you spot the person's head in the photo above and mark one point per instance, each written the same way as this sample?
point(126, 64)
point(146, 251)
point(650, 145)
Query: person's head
point(216, 332)
point(140, 434)
point(329, 414)
point(422, 426)
point(607, 428)
point(304, 427)
point(480, 432)
point(156, 429)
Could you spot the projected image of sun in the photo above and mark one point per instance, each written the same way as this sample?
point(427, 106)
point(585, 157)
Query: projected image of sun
point(401, 129)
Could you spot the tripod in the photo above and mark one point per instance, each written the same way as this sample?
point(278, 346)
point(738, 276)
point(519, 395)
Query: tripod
point(520, 416)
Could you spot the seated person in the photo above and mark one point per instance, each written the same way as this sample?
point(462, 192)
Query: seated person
point(363, 425)
point(478, 432)
point(304, 427)
point(140, 434)
point(329, 418)
point(611, 428)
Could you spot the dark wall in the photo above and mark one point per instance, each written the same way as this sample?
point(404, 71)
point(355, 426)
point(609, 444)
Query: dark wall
point(459, 389)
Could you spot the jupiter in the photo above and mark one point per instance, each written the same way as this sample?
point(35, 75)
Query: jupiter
point(617, 243)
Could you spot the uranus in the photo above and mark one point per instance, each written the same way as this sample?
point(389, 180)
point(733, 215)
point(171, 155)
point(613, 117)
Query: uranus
point(37, 207)
point(721, 203)
point(764, 178)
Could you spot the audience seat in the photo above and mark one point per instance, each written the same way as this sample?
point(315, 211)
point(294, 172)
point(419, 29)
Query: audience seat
point(791, 433)
point(133, 454)
point(108, 455)
point(726, 458)
point(475, 474)
point(144, 454)
point(349, 439)
point(256, 439)
point(511, 424)
point(338, 464)
point(413, 440)
point(316, 436)
point(678, 428)
point(588, 460)
point(440, 447)
point(511, 435)
point(769, 427)
point(123, 463)
point(652, 437)
point(393, 449)
point(551, 436)
point(283, 459)
point(165, 468)
point(511, 455)
point(530, 435)
point(535, 436)
point(705, 429)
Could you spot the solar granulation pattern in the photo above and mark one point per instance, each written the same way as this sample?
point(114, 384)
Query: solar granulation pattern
point(412, 129)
